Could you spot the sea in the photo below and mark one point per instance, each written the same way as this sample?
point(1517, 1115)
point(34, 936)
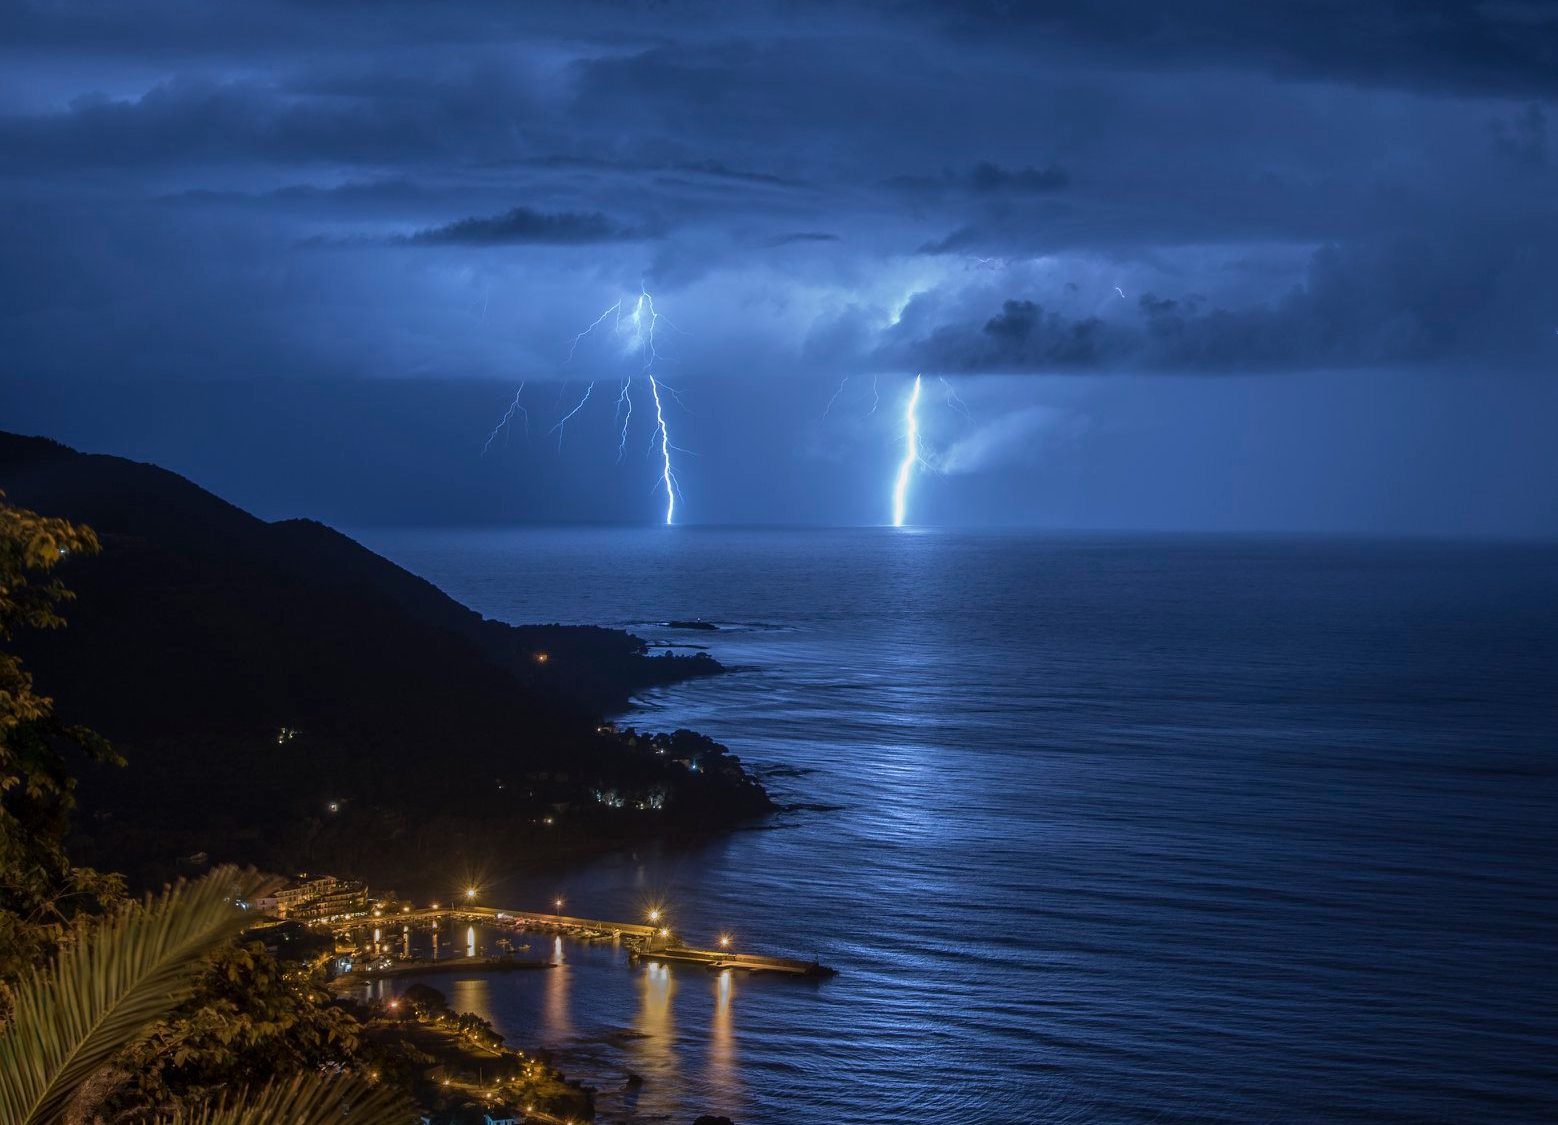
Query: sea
point(1094, 828)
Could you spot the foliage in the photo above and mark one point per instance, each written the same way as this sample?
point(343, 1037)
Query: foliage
point(227, 1011)
point(43, 898)
point(306, 1100)
point(250, 1013)
point(127, 971)
point(73, 1016)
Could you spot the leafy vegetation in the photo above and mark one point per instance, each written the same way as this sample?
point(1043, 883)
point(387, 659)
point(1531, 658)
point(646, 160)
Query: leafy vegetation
point(43, 897)
point(72, 1018)
point(250, 1013)
point(143, 1010)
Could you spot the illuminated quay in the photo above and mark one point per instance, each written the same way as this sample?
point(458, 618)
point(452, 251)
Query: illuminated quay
point(650, 940)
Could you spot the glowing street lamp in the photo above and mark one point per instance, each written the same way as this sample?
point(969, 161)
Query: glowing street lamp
point(557, 904)
point(470, 894)
point(724, 941)
point(654, 915)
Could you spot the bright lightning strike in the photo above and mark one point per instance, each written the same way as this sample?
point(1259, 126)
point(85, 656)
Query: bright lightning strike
point(639, 324)
point(911, 453)
point(645, 320)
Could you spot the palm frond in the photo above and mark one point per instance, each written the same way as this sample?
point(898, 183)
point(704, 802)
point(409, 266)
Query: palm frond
point(73, 1016)
point(306, 1100)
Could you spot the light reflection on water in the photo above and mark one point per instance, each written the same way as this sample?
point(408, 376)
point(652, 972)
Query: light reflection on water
point(556, 1024)
point(608, 1017)
point(1120, 831)
point(722, 1069)
point(655, 1052)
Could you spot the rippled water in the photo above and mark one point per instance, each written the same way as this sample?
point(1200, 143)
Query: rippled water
point(1143, 830)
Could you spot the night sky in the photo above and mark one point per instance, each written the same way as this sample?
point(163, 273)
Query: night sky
point(1202, 266)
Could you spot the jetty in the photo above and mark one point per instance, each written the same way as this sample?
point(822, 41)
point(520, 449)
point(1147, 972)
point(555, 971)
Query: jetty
point(717, 960)
point(645, 942)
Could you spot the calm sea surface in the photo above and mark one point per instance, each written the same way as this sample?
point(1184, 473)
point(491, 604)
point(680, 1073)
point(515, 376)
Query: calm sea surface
point(1137, 830)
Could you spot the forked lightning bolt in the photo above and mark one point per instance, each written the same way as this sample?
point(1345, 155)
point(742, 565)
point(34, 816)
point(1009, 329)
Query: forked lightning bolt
point(638, 325)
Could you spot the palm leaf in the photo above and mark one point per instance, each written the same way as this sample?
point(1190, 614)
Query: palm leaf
point(70, 1018)
point(305, 1100)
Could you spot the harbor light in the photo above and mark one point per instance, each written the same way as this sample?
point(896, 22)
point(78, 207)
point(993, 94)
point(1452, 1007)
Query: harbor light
point(664, 932)
point(557, 904)
point(654, 915)
point(724, 941)
point(470, 893)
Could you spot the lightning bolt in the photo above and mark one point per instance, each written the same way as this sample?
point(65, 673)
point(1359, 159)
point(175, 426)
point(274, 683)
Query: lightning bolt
point(624, 412)
point(645, 321)
point(578, 406)
point(911, 453)
point(955, 400)
point(594, 324)
point(835, 398)
point(508, 416)
point(639, 323)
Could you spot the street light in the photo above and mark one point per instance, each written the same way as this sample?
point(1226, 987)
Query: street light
point(654, 915)
point(557, 904)
point(724, 941)
point(470, 893)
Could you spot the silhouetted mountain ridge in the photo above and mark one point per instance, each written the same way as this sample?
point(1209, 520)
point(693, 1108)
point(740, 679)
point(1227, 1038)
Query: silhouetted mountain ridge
point(259, 674)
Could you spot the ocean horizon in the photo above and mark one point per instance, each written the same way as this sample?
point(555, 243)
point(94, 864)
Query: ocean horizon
point(1095, 827)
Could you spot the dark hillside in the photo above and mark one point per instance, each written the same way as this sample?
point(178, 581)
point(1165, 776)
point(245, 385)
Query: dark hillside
point(287, 696)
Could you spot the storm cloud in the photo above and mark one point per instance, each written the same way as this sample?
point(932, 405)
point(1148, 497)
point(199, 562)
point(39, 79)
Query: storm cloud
point(522, 225)
point(267, 190)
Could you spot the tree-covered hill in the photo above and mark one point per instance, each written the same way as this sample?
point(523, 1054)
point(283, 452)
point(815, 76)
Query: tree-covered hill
point(286, 696)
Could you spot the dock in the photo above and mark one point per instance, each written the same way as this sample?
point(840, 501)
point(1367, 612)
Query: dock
point(645, 942)
point(717, 960)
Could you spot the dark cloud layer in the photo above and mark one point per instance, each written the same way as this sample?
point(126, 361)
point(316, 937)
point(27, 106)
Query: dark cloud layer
point(958, 187)
point(523, 225)
point(277, 190)
point(1412, 301)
